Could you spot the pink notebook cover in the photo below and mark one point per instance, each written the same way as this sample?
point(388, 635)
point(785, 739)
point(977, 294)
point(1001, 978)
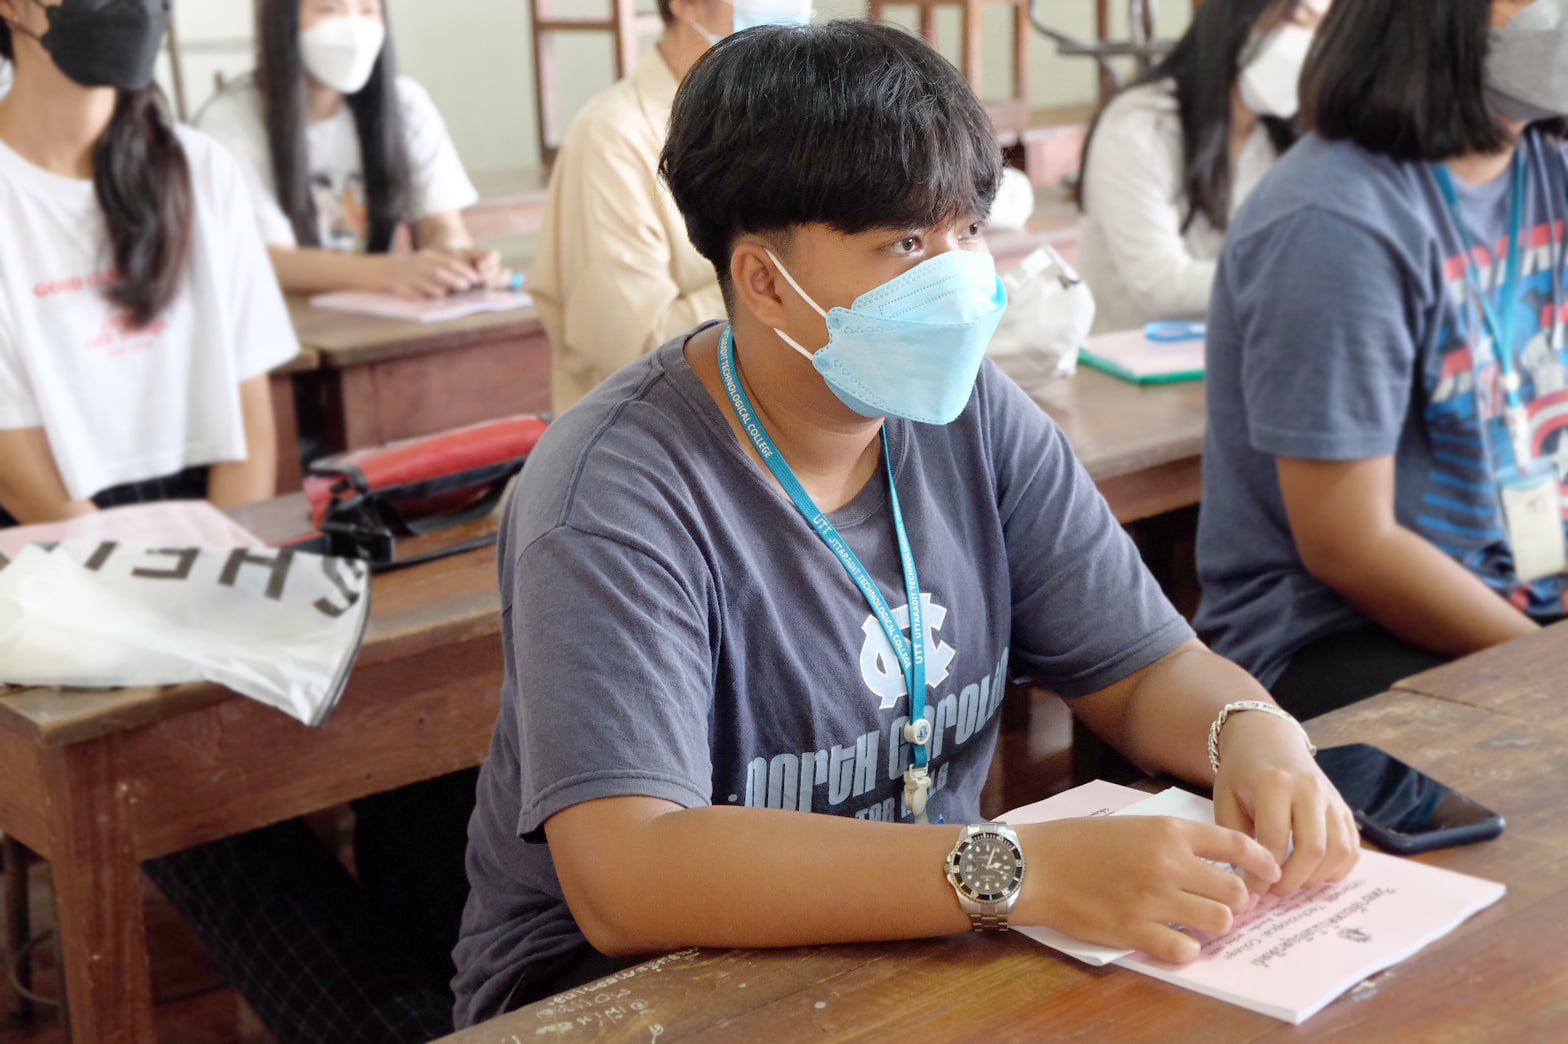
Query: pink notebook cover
point(1288, 958)
point(1132, 356)
point(434, 310)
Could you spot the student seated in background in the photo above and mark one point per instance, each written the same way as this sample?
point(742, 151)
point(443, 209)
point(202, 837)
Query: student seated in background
point(1171, 158)
point(679, 628)
point(1382, 480)
point(138, 317)
point(615, 275)
point(338, 151)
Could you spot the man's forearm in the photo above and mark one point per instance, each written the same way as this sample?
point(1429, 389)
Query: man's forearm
point(1415, 591)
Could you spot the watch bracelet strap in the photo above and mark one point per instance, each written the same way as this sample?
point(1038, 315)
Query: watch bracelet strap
point(989, 922)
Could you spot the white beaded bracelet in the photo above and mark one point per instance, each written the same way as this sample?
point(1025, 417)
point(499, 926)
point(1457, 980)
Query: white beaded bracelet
point(1246, 705)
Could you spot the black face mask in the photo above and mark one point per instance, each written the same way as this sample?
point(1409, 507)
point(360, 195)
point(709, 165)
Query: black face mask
point(106, 43)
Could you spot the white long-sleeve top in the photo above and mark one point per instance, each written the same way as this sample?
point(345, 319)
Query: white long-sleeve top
point(1131, 248)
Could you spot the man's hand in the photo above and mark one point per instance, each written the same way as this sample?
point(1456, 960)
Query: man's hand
point(1269, 787)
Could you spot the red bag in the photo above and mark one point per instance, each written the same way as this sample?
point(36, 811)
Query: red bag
point(364, 500)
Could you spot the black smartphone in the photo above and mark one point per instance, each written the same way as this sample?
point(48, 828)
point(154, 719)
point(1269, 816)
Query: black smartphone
point(1400, 807)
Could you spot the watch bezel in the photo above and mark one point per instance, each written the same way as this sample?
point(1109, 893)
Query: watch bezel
point(955, 874)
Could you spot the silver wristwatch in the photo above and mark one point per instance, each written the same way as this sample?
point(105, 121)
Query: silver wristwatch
point(986, 869)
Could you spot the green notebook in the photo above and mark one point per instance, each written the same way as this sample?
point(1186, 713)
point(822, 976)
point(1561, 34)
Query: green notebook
point(1133, 357)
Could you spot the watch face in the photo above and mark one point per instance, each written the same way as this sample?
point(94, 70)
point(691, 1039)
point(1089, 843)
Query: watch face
point(989, 868)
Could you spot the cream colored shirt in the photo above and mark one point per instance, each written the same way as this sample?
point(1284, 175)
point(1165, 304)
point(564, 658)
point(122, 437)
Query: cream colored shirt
point(616, 276)
point(1132, 250)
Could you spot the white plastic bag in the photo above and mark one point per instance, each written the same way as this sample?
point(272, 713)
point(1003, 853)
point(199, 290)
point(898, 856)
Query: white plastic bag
point(1049, 313)
point(1014, 203)
point(280, 626)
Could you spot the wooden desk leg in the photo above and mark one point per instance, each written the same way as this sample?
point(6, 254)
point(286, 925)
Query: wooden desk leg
point(285, 418)
point(351, 409)
point(17, 925)
point(98, 899)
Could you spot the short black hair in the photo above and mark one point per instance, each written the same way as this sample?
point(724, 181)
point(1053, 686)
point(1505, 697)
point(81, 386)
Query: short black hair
point(1405, 79)
point(665, 13)
point(848, 124)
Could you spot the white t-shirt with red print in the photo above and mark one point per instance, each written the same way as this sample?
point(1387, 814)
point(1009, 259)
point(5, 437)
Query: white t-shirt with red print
point(120, 404)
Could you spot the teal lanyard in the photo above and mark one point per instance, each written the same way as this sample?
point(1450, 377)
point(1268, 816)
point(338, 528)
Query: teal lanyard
point(911, 655)
point(1508, 294)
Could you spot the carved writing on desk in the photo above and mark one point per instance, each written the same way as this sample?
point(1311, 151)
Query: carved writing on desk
point(605, 1003)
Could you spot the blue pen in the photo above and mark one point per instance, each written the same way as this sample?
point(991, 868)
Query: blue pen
point(1170, 331)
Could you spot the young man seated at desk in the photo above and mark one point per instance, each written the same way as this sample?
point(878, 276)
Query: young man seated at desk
point(615, 275)
point(710, 565)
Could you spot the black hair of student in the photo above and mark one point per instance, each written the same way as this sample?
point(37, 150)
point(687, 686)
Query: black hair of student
point(378, 121)
point(848, 124)
point(1205, 65)
point(142, 180)
point(1405, 80)
point(666, 15)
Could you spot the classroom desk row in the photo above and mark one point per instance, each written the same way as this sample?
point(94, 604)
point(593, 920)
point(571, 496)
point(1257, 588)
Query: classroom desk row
point(1492, 725)
point(380, 380)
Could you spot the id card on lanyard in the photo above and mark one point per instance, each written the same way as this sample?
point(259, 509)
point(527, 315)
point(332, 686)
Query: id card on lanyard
point(911, 652)
point(1528, 487)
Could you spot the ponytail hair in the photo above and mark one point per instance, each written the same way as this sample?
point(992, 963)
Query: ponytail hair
point(143, 183)
point(378, 122)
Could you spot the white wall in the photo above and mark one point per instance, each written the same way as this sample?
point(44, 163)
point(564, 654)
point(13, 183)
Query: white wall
point(476, 58)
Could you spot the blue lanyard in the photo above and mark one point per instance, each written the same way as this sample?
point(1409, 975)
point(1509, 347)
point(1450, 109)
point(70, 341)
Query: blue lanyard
point(911, 656)
point(1502, 332)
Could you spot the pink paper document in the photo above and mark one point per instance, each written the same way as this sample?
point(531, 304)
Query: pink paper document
point(166, 523)
point(434, 310)
point(1287, 958)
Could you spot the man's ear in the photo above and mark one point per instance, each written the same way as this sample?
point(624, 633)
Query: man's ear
point(757, 283)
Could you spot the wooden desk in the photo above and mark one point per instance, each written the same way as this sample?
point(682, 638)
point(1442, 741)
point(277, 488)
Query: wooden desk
point(1526, 679)
point(1501, 975)
point(382, 379)
point(1143, 445)
point(97, 781)
point(286, 418)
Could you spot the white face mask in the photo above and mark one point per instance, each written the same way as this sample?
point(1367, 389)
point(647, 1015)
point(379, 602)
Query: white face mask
point(759, 12)
point(1269, 80)
point(341, 52)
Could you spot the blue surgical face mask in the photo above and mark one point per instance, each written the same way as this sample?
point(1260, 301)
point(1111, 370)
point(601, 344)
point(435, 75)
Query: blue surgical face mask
point(912, 347)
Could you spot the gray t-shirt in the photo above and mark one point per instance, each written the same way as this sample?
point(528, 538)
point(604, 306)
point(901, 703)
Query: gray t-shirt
point(674, 628)
point(1341, 328)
